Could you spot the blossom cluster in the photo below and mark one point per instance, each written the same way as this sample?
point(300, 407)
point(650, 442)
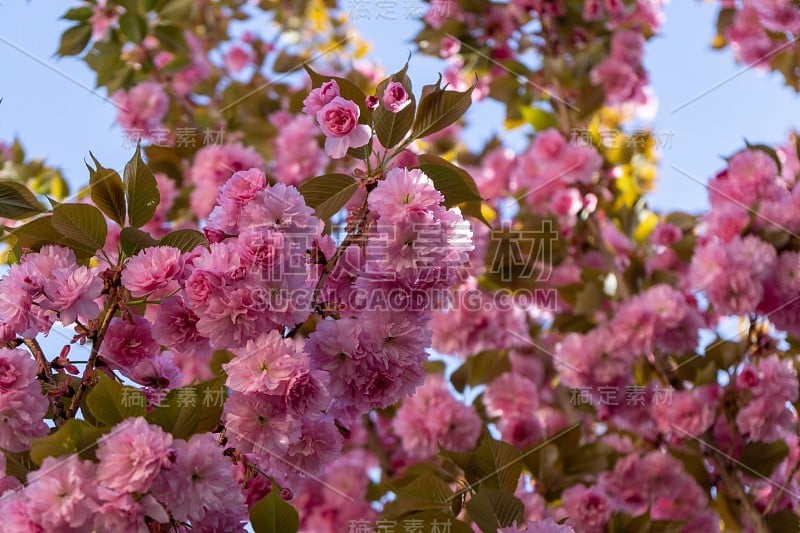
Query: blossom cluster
point(141, 474)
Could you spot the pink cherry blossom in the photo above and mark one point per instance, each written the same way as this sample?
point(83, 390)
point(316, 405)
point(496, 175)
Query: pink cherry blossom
point(153, 271)
point(133, 455)
point(395, 97)
point(338, 120)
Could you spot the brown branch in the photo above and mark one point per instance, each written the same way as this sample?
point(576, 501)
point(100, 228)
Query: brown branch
point(97, 340)
point(46, 375)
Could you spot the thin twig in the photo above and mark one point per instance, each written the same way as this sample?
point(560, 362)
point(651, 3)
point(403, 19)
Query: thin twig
point(97, 340)
point(46, 375)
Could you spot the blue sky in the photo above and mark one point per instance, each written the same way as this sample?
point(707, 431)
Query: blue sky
point(48, 102)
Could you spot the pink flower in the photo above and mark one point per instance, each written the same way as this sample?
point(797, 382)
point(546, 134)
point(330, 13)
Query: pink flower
point(449, 46)
point(403, 192)
point(22, 413)
point(200, 482)
point(237, 58)
point(372, 102)
point(133, 455)
point(264, 365)
point(258, 423)
point(395, 97)
point(588, 508)
point(141, 108)
point(433, 417)
point(176, 327)
point(338, 120)
point(103, 17)
point(153, 271)
point(296, 150)
point(17, 370)
point(128, 343)
point(317, 98)
point(61, 494)
point(212, 167)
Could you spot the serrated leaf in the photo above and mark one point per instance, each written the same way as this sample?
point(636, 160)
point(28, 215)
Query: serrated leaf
point(439, 109)
point(74, 436)
point(17, 202)
point(34, 234)
point(492, 509)
point(273, 515)
point(390, 127)
point(74, 40)
point(80, 14)
point(133, 26)
point(111, 403)
point(184, 240)
point(141, 190)
point(494, 464)
point(132, 241)
point(329, 193)
point(83, 224)
point(107, 191)
point(455, 184)
point(426, 492)
point(761, 458)
point(189, 410)
point(434, 521)
point(480, 368)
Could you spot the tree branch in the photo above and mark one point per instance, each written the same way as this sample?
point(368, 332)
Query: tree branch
point(46, 375)
point(97, 340)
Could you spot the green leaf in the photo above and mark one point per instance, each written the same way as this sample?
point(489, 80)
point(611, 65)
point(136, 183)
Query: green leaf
point(347, 90)
point(79, 14)
point(762, 457)
point(111, 403)
point(133, 26)
point(439, 109)
point(190, 410)
point(273, 515)
point(74, 436)
point(141, 190)
point(132, 241)
point(83, 224)
point(19, 464)
point(492, 509)
point(455, 184)
point(177, 10)
point(494, 464)
point(480, 368)
point(107, 191)
point(427, 492)
point(17, 202)
point(33, 235)
point(538, 118)
point(435, 521)
point(390, 127)
point(184, 240)
point(329, 193)
point(74, 40)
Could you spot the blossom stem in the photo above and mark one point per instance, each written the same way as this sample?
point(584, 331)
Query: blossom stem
point(97, 339)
